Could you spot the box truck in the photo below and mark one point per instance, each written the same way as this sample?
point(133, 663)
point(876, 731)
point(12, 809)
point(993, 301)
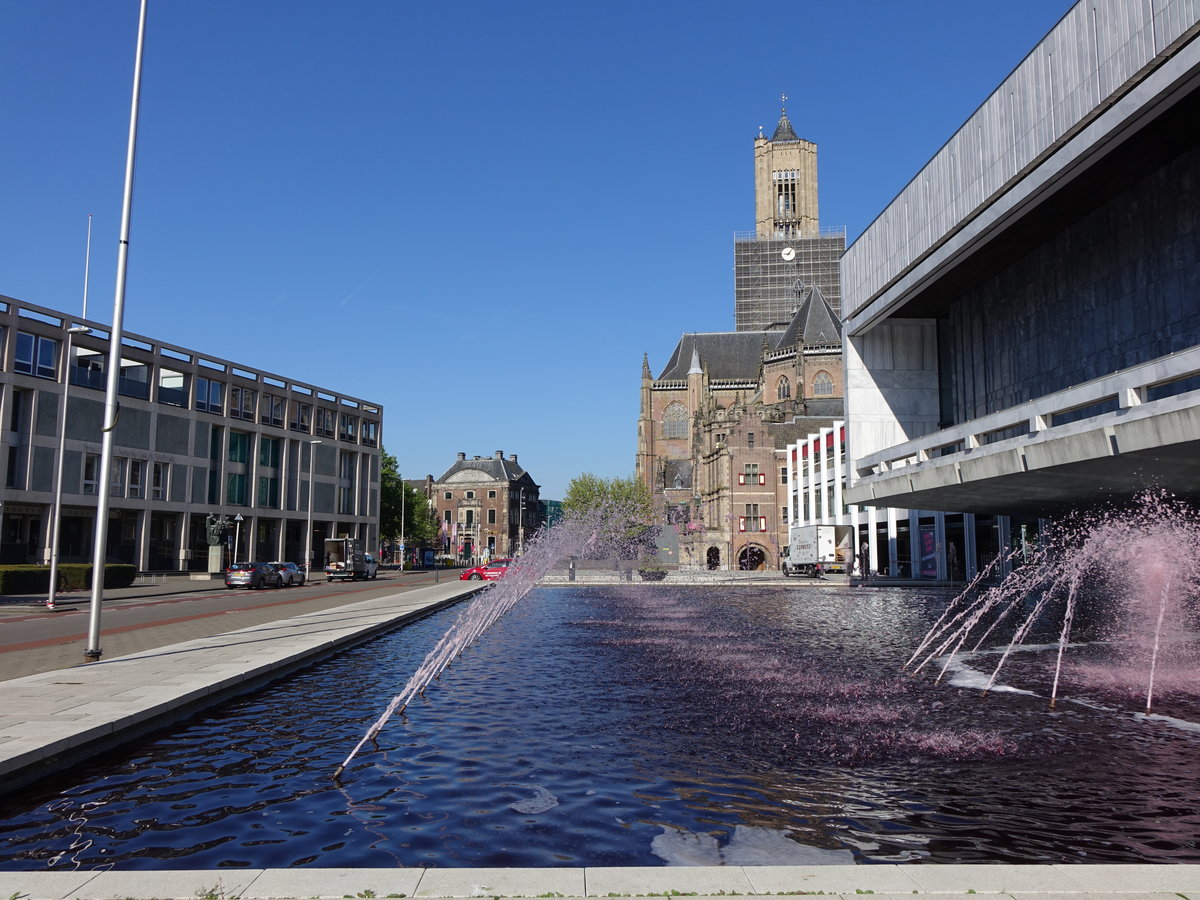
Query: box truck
point(813, 549)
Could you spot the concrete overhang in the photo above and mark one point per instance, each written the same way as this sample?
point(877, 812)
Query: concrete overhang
point(1052, 472)
point(1065, 174)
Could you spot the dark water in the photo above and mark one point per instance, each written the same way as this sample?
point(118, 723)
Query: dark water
point(673, 726)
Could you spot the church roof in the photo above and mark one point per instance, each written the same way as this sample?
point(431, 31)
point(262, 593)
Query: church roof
point(784, 130)
point(814, 322)
point(738, 354)
point(725, 354)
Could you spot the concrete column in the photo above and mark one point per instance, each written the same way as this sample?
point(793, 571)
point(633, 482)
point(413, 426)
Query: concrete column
point(1004, 538)
point(142, 538)
point(893, 549)
point(970, 547)
point(838, 473)
point(939, 536)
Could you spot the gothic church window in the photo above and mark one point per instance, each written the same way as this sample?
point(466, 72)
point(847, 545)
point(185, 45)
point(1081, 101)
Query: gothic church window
point(784, 390)
point(822, 385)
point(675, 421)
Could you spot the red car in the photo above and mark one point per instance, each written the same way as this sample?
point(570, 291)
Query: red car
point(490, 572)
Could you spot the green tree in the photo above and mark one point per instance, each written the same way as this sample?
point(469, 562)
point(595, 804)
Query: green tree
point(620, 509)
point(394, 496)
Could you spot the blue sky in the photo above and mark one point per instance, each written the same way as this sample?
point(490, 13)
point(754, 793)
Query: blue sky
point(477, 214)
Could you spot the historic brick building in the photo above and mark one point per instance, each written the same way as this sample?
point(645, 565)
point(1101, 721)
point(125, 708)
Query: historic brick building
point(714, 427)
point(486, 507)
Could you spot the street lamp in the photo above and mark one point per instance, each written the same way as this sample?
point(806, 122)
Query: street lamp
point(403, 497)
point(312, 452)
point(237, 535)
point(56, 518)
point(521, 527)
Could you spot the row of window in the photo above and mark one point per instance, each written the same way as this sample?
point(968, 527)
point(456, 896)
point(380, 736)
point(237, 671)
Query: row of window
point(133, 478)
point(37, 355)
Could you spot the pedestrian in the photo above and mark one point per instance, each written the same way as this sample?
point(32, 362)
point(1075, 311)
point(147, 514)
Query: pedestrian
point(864, 561)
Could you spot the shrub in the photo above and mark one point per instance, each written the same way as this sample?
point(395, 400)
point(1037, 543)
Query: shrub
point(71, 577)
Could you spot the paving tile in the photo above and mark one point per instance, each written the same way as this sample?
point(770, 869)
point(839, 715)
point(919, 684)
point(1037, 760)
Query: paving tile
point(990, 879)
point(183, 884)
point(43, 885)
point(333, 883)
point(830, 879)
point(500, 882)
point(634, 880)
point(1132, 877)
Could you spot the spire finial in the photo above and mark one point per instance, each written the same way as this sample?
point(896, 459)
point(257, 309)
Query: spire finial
point(783, 102)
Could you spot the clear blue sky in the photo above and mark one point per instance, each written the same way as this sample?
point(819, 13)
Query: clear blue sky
point(477, 214)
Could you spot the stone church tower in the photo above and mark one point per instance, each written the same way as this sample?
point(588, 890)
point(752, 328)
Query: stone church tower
point(785, 183)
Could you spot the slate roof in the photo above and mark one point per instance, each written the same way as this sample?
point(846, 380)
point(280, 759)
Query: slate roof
point(738, 354)
point(814, 322)
point(784, 130)
point(495, 468)
point(725, 354)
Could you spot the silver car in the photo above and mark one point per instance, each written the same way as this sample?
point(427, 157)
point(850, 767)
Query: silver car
point(289, 572)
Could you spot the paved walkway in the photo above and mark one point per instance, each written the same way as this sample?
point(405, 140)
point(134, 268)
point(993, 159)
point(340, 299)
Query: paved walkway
point(884, 882)
point(49, 719)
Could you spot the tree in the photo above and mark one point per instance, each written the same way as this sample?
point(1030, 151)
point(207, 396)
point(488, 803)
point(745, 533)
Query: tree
point(619, 509)
point(394, 496)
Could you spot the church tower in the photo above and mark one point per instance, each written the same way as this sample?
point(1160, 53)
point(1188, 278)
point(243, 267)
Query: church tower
point(785, 183)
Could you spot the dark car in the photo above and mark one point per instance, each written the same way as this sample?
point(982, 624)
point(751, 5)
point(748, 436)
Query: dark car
point(488, 572)
point(253, 576)
point(290, 572)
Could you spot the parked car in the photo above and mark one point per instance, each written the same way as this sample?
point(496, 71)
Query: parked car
point(290, 572)
point(489, 572)
point(253, 576)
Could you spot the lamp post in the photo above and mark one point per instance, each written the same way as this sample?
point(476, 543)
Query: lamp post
point(403, 497)
point(237, 535)
point(56, 519)
point(521, 527)
point(92, 651)
point(312, 452)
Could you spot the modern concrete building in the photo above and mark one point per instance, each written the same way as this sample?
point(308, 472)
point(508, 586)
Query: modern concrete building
point(1022, 323)
point(196, 435)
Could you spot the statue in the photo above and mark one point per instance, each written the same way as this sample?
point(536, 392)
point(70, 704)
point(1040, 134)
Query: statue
point(216, 528)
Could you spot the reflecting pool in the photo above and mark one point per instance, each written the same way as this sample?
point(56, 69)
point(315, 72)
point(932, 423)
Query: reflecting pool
point(642, 726)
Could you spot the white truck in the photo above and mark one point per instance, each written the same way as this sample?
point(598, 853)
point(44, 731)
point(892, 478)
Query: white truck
point(344, 559)
point(815, 549)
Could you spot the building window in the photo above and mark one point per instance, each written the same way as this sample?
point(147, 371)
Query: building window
point(36, 355)
point(301, 417)
point(88, 370)
point(268, 452)
point(675, 421)
point(241, 402)
point(134, 379)
point(272, 410)
point(239, 447)
point(209, 395)
point(370, 433)
point(751, 510)
point(491, 517)
point(822, 385)
point(348, 428)
point(783, 514)
point(784, 389)
point(136, 470)
point(268, 492)
point(470, 495)
point(491, 495)
point(116, 481)
point(235, 493)
point(172, 387)
point(91, 473)
point(447, 496)
point(326, 418)
point(783, 474)
point(448, 517)
point(160, 480)
point(750, 440)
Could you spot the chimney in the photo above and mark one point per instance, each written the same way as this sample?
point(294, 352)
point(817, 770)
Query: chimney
point(512, 457)
point(462, 457)
point(499, 454)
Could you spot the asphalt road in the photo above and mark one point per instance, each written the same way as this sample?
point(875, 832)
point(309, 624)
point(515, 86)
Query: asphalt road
point(34, 639)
